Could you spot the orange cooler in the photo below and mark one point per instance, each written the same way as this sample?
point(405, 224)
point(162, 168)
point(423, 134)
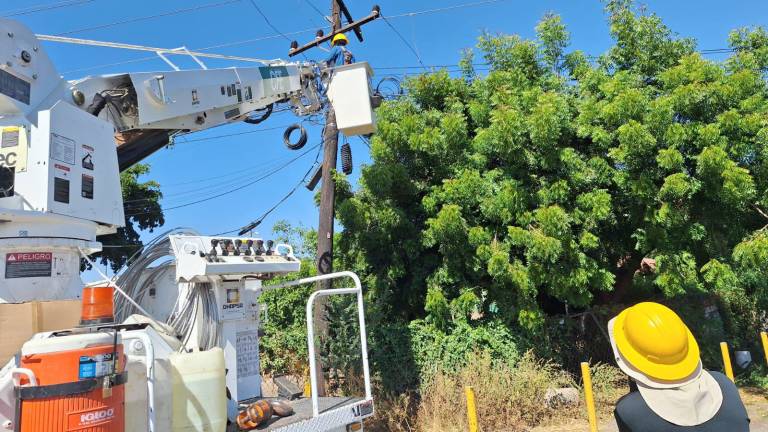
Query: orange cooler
point(79, 386)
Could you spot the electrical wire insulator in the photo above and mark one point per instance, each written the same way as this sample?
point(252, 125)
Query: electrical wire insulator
point(302, 141)
point(346, 159)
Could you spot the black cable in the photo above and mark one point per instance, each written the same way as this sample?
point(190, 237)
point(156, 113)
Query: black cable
point(302, 141)
point(346, 159)
point(231, 135)
point(45, 7)
point(261, 118)
point(312, 5)
point(268, 22)
point(413, 50)
point(261, 218)
point(149, 17)
point(231, 191)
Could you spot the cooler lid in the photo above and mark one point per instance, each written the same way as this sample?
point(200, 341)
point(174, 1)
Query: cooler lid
point(50, 343)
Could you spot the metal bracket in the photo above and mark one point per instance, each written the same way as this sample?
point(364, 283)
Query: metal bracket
point(180, 50)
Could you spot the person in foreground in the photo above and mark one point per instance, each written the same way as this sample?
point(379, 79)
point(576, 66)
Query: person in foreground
point(669, 389)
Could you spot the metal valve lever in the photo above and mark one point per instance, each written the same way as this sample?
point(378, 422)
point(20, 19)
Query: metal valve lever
point(259, 247)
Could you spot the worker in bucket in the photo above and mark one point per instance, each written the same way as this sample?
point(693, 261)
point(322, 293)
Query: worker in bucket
point(669, 389)
point(339, 52)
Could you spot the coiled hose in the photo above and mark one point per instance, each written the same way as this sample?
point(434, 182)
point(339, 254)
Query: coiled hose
point(142, 274)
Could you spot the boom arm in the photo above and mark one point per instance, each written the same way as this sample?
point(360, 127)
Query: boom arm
point(147, 108)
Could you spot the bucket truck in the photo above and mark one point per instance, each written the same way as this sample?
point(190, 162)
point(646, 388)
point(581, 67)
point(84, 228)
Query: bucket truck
point(63, 145)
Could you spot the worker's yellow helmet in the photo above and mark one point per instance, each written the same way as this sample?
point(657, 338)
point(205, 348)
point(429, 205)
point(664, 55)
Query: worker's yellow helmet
point(654, 340)
point(340, 39)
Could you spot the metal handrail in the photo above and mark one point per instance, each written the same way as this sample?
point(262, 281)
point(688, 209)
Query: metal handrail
point(311, 331)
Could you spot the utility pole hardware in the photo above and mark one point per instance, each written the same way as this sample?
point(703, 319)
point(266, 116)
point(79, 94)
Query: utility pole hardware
point(325, 228)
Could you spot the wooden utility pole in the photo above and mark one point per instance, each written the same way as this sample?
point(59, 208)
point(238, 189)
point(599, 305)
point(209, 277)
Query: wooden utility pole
point(328, 191)
point(330, 154)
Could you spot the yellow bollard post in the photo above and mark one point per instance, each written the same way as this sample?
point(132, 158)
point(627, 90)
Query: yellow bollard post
point(471, 409)
point(589, 397)
point(727, 361)
point(764, 337)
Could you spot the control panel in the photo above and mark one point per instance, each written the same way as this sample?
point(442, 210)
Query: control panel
point(207, 259)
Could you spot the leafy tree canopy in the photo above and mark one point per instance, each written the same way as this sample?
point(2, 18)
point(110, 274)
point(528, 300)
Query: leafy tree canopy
point(558, 180)
point(142, 212)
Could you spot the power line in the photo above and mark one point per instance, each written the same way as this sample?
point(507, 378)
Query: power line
point(413, 50)
point(150, 17)
point(231, 191)
point(447, 8)
point(174, 51)
point(266, 19)
point(231, 134)
point(44, 7)
point(221, 184)
point(224, 45)
point(261, 218)
point(312, 5)
point(244, 175)
point(235, 173)
point(297, 32)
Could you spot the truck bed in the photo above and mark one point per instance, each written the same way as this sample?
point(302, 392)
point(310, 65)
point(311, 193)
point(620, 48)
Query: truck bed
point(303, 412)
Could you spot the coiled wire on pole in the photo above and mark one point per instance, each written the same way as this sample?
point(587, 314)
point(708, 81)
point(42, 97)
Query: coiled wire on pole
point(346, 159)
point(302, 137)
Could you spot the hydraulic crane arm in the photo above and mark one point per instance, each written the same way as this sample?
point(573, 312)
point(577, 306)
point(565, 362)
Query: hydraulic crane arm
point(147, 108)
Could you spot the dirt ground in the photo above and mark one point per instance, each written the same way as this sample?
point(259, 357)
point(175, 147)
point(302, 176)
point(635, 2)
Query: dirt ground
point(756, 402)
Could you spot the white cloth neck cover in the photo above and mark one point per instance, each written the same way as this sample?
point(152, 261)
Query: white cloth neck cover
point(689, 402)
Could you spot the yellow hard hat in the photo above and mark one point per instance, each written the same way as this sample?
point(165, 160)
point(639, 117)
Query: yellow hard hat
point(340, 38)
point(654, 340)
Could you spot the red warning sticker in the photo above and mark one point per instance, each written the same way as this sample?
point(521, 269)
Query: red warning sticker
point(28, 264)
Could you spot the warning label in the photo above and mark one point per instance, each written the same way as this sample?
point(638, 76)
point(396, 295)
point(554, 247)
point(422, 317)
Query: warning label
point(95, 366)
point(28, 265)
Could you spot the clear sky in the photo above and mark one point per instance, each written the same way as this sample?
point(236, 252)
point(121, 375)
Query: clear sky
point(209, 164)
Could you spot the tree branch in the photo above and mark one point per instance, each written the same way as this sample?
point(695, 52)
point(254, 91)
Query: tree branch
point(762, 213)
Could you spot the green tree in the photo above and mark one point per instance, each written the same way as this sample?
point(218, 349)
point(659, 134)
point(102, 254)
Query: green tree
point(142, 212)
point(558, 181)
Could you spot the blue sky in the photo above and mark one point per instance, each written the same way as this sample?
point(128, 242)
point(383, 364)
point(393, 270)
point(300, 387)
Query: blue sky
point(209, 165)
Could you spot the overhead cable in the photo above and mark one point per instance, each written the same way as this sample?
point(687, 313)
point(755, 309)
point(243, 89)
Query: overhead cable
point(186, 141)
point(264, 215)
point(44, 7)
point(413, 50)
point(312, 5)
point(150, 17)
point(292, 33)
point(215, 186)
point(231, 191)
point(446, 8)
point(223, 45)
point(176, 51)
point(266, 19)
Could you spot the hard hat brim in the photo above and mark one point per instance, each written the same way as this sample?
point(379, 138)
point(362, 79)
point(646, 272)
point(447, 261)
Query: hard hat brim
point(672, 372)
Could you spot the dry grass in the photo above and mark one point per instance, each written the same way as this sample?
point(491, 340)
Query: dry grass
point(609, 384)
point(509, 398)
point(394, 413)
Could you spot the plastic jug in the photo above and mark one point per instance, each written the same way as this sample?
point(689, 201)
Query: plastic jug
point(199, 391)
